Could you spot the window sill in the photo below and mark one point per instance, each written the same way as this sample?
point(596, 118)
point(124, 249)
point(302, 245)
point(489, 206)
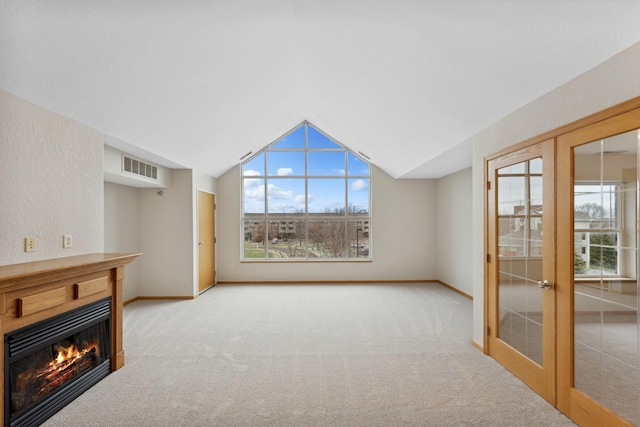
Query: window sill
point(618, 285)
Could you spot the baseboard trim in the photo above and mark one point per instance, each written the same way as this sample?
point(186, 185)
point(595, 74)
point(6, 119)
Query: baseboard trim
point(446, 285)
point(477, 345)
point(318, 282)
point(150, 298)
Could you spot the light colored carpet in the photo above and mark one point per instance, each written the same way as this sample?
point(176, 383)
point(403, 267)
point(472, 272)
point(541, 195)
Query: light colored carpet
point(308, 355)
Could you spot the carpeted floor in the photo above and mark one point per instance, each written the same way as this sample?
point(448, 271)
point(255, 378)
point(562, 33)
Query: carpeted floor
point(309, 355)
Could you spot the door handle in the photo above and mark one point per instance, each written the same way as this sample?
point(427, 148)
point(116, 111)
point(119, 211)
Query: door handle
point(200, 243)
point(545, 284)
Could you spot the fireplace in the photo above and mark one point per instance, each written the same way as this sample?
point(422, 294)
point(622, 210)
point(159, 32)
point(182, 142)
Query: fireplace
point(50, 363)
point(62, 323)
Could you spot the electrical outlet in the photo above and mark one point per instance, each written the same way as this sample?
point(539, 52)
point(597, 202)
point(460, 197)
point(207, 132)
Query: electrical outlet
point(29, 244)
point(66, 241)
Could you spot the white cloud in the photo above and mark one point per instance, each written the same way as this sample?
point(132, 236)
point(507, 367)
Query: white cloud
point(284, 171)
point(255, 192)
point(251, 172)
point(276, 192)
point(359, 184)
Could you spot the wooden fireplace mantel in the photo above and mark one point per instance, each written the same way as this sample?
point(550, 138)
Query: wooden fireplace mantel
point(34, 291)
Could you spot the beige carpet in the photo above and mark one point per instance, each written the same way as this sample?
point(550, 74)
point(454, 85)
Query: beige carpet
point(309, 355)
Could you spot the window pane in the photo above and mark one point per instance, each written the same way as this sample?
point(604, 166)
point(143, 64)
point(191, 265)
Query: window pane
point(535, 236)
point(254, 167)
point(597, 206)
point(327, 239)
point(287, 235)
point(505, 228)
point(254, 234)
point(319, 140)
point(293, 140)
point(285, 163)
point(518, 168)
point(358, 232)
point(326, 163)
point(326, 196)
point(535, 191)
point(603, 252)
point(357, 166)
point(253, 193)
point(535, 166)
point(286, 195)
point(358, 196)
point(511, 197)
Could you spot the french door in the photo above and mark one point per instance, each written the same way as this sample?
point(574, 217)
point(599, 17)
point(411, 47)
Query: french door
point(563, 267)
point(521, 265)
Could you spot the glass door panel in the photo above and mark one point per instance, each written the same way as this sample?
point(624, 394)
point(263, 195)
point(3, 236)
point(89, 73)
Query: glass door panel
point(520, 242)
point(605, 291)
point(598, 330)
point(522, 274)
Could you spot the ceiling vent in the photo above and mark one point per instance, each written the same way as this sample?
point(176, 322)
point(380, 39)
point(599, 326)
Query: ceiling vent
point(138, 167)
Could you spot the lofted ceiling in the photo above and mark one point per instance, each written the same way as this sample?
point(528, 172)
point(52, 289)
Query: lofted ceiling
point(198, 84)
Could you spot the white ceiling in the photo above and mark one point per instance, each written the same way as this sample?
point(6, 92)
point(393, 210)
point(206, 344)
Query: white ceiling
point(202, 83)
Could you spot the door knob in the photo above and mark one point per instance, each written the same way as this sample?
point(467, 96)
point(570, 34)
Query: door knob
point(200, 243)
point(545, 284)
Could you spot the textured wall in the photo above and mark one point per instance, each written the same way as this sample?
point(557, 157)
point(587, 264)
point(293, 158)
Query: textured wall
point(166, 238)
point(454, 229)
point(122, 230)
point(403, 227)
point(608, 84)
point(51, 183)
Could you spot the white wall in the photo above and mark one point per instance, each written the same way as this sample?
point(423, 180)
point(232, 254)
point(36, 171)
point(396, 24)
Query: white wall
point(122, 230)
point(610, 83)
point(454, 231)
point(50, 183)
point(403, 233)
point(166, 238)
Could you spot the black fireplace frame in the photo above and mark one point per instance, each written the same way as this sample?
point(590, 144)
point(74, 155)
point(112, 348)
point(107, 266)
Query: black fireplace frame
point(27, 340)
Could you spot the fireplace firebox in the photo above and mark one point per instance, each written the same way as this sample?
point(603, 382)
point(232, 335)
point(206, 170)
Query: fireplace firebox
point(50, 363)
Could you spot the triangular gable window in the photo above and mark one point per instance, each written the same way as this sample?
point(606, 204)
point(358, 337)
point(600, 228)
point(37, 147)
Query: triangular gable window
point(306, 197)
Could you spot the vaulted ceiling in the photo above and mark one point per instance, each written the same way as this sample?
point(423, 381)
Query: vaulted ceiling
point(202, 83)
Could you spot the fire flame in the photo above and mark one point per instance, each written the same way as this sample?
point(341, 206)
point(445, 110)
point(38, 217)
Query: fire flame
point(66, 357)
